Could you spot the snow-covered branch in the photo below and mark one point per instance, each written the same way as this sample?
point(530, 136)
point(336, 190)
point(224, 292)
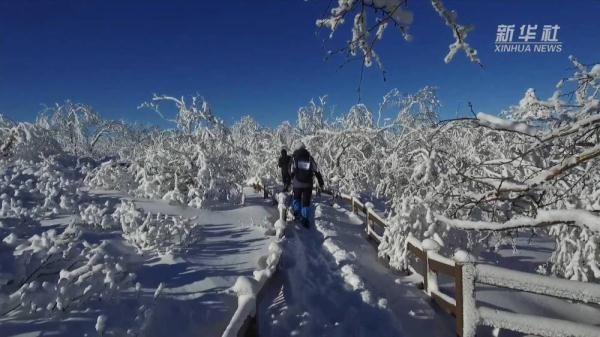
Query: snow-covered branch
point(389, 13)
point(580, 218)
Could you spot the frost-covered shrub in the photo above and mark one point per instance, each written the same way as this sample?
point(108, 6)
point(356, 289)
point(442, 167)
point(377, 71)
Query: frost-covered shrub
point(127, 214)
point(161, 233)
point(58, 272)
point(260, 148)
point(195, 164)
point(95, 216)
point(576, 256)
point(157, 233)
point(38, 188)
point(189, 170)
point(67, 128)
point(80, 130)
point(111, 175)
point(414, 202)
point(25, 141)
point(44, 253)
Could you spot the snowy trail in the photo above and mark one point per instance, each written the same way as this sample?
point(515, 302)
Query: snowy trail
point(332, 284)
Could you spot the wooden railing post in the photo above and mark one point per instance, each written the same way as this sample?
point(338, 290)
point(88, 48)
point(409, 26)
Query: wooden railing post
point(458, 290)
point(431, 283)
point(273, 196)
point(466, 310)
point(353, 206)
point(369, 220)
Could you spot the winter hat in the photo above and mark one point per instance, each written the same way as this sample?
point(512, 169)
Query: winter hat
point(299, 146)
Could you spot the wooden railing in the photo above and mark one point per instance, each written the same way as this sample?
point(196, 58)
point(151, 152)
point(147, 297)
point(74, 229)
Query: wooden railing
point(465, 274)
point(372, 219)
point(530, 283)
point(268, 192)
point(432, 265)
point(244, 322)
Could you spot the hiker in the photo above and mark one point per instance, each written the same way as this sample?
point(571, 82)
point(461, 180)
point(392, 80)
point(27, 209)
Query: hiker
point(304, 169)
point(285, 162)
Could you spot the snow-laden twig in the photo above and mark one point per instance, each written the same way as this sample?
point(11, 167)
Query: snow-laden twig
point(459, 32)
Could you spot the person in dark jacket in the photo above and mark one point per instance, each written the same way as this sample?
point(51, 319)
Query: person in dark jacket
point(304, 169)
point(285, 163)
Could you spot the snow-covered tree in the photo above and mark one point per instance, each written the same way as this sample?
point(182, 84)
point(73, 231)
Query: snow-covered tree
point(77, 127)
point(489, 176)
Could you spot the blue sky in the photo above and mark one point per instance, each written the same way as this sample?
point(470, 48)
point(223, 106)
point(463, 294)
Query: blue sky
point(265, 58)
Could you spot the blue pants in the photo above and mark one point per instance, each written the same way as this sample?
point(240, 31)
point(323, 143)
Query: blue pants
point(301, 202)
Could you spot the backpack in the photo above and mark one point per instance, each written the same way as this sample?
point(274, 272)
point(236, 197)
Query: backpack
point(303, 170)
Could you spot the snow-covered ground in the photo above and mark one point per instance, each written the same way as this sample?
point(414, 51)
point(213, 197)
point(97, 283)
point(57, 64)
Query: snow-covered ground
point(226, 243)
point(331, 284)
